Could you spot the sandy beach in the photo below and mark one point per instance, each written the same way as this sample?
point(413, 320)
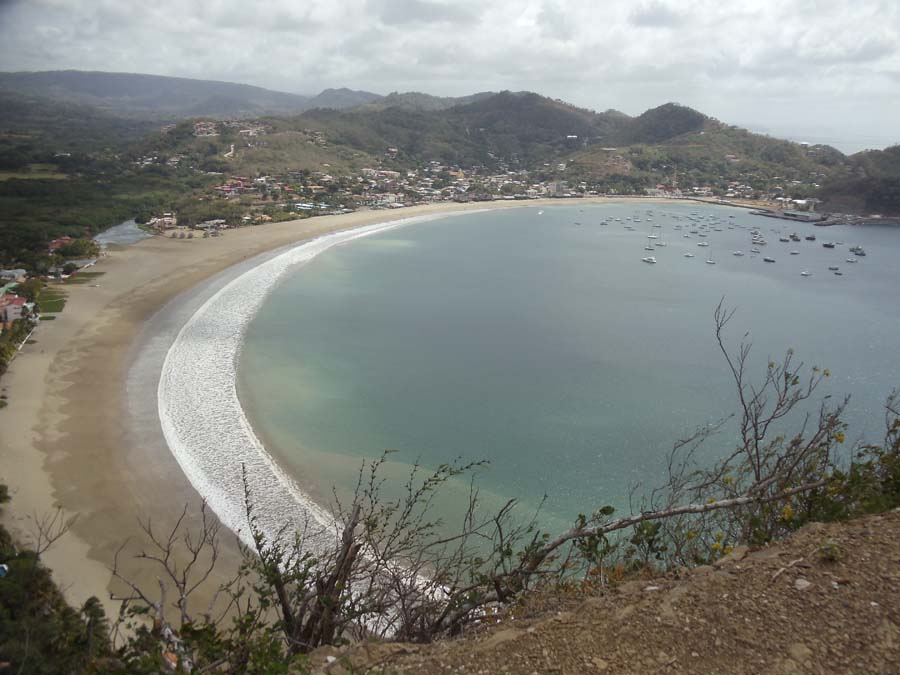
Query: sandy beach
point(68, 437)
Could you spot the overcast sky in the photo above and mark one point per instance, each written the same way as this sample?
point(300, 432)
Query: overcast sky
point(818, 70)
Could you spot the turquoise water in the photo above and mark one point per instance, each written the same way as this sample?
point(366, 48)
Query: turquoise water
point(550, 349)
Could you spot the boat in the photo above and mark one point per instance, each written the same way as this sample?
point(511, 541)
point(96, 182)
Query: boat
point(710, 261)
point(805, 273)
point(755, 250)
point(838, 274)
point(795, 252)
point(810, 237)
point(688, 255)
point(649, 259)
point(858, 250)
point(703, 243)
point(851, 260)
point(738, 253)
point(783, 239)
point(649, 248)
point(540, 213)
point(767, 259)
point(830, 244)
point(834, 268)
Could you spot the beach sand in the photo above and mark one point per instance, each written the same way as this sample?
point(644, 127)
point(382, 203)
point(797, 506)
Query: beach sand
point(65, 435)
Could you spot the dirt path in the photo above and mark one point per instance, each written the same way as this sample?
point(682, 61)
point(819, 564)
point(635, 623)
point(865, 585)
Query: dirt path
point(826, 601)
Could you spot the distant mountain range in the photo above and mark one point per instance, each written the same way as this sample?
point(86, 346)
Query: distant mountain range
point(71, 110)
point(167, 98)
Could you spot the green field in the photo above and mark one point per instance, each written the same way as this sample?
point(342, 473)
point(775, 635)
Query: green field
point(84, 277)
point(51, 300)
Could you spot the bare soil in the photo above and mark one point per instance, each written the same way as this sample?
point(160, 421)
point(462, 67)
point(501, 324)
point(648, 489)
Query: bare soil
point(827, 600)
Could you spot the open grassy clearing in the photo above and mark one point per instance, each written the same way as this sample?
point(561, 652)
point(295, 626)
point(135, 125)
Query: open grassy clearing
point(51, 300)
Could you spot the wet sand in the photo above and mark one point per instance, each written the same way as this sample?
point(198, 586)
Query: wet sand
point(71, 436)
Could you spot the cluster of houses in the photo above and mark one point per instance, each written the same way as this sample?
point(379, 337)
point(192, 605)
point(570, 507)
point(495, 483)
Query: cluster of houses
point(12, 307)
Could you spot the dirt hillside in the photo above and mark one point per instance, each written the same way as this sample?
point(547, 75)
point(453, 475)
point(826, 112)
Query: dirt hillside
point(825, 601)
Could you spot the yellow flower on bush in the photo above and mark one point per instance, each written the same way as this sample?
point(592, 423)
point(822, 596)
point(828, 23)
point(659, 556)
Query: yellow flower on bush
point(716, 547)
point(787, 513)
point(839, 436)
point(728, 480)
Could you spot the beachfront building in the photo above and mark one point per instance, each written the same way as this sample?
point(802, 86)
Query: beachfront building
point(16, 275)
point(12, 308)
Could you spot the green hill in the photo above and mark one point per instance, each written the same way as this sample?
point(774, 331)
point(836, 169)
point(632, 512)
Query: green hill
point(153, 96)
point(873, 186)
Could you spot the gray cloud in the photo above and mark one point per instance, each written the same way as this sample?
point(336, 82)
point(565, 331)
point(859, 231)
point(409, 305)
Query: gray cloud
point(656, 14)
point(767, 59)
point(400, 12)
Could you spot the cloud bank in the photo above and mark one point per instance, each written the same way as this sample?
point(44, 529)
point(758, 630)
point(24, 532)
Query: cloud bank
point(814, 65)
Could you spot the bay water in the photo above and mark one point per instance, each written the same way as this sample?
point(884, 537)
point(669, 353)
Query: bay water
point(537, 339)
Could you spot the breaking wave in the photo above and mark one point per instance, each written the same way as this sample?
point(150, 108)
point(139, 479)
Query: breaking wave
point(202, 419)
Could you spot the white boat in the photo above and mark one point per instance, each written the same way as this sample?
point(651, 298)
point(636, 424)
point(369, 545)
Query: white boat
point(540, 213)
point(649, 248)
point(710, 261)
point(805, 273)
point(703, 243)
point(738, 253)
point(795, 252)
point(649, 259)
point(851, 260)
point(688, 255)
point(755, 250)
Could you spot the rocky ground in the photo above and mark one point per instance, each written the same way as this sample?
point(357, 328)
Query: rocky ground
point(825, 601)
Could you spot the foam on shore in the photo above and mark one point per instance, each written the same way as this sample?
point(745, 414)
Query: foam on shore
point(201, 416)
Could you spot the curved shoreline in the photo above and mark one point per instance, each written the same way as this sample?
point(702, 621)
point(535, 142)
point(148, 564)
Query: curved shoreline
point(202, 419)
point(73, 438)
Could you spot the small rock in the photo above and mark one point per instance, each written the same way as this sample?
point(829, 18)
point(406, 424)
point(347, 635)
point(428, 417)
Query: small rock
point(601, 664)
point(652, 588)
point(801, 584)
point(800, 652)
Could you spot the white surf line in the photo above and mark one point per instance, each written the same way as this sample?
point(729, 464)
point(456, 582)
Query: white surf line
point(202, 419)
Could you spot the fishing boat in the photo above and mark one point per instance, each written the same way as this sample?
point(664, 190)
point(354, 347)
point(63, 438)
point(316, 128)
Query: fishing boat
point(649, 259)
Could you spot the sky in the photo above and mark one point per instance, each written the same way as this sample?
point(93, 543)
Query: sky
point(808, 70)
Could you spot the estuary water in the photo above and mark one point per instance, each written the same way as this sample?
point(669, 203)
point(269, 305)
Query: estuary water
point(538, 340)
